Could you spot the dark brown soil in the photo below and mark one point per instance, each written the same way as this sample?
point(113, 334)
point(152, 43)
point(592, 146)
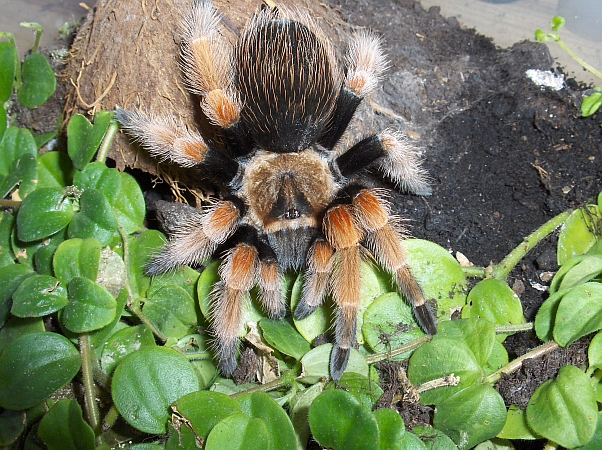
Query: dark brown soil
point(505, 155)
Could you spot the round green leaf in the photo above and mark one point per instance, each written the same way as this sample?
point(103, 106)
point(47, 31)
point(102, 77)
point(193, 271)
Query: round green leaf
point(364, 389)
point(339, 421)
point(172, 311)
point(586, 269)
point(34, 366)
point(64, 428)
point(3, 120)
point(8, 65)
point(579, 313)
point(299, 409)
point(43, 212)
point(86, 139)
point(184, 277)
point(576, 235)
point(90, 307)
point(591, 104)
point(11, 277)
point(142, 247)
point(78, 129)
point(23, 173)
point(95, 218)
point(39, 82)
point(315, 364)
point(316, 323)
point(438, 274)
point(282, 336)
point(96, 175)
point(516, 426)
point(123, 343)
point(129, 206)
point(77, 258)
point(434, 439)
point(564, 410)
point(260, 405)
point(16, 142)
point(55, 170)
point(594, 351)
point(546, 316)
point(439, 358)
point(39, 296)
point(7, 222)
point(204, 409)
point(493, 300)
point(239, 432)
point(471, 415)
point(390, 429)
point(478, 334)
point(390, 324)
point(146, 383)
point(16, 327)
point(12, 425)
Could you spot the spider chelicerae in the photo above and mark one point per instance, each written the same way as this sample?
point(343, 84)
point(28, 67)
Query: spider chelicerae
point(280, 103)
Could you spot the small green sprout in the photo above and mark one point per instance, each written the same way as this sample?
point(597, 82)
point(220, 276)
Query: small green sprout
point(592, 102)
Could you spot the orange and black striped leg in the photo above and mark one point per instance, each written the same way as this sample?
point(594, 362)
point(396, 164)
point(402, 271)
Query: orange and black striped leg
point(207, 65)
point(197, 237)
point(271, 281)
point(315, 282)
point(344, 237)
point(238, 273)
point(383, 239)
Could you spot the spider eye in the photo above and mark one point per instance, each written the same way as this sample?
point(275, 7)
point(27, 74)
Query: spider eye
point(292, 214)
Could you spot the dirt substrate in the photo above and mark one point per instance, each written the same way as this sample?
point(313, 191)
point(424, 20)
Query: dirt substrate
point(504, 154)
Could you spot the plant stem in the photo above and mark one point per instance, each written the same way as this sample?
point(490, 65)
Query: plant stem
point(518, 362)
point(475, 272)
point(513, 328)
point(583, 64)
point(92, 411)
point(107, 141)
point(501, 270)
point(284, 380)
point(39, 31)
point(10, 203)
point(398, 351)
point(111, 417)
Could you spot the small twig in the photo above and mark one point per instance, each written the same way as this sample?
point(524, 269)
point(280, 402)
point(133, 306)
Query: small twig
point(92, 411)
point(516, 364)
point(284, 380)
point(513, 328)
point(10, 203)
point(449, 380)
point(398, 351)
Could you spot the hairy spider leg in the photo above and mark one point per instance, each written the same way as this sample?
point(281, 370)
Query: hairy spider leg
point(315, 280)
point(365, 62)
point(207, 64)
point(248, 263)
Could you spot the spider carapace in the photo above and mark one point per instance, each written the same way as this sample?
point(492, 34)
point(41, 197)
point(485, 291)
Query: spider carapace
point(280, 103)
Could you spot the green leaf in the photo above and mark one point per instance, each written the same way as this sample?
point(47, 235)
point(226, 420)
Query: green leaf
point(11, 276)
point(129, 206)
point(586, 269)
point(16, 143)
point(298, 411)
point(95, 218)
point(390, 429)
point(434, 439)
point(576, 236)
point(55, 170)
point(77, 258)
point(44, 212)
point(471, 415)
point(3, 120)
point(8, 65)
point(98, 176)
point(316, 323)
point(123, 343)
point(98, 338)
point(557, 23)
point(184, 277)
point(146, 383)
point(282, 336)
point(90, 306)
point(204, 409)
point(7, 222)
point(439, 358)
point(39, 82)
point(22, 173)
point(339, 421)
point(478, 334)
point(594, 352)
point(64, 428)
point(438, 274)
point(591, 104)
point(260, 405)
point(16, 327)
point(364, 389)
point(389, 324)
point(142, 247)
point(564, 410)
point(85, 139)
point(315, 364)
point(44, 253)
point(44, 138)
point(516, 426)
point(172, 311)
point(12, 425)
point(39, 296)
point(34, 366)
point(493, 300)
point(596, 441)
point(239, 432)
point(579, 313)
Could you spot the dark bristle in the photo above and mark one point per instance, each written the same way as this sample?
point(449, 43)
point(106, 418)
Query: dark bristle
point(344, 110)
point(303, 310)
point(360, 156)
point(425, 319)
point(160, 263)
point(338, 362)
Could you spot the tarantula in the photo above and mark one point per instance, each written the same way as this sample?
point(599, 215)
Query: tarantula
point(280, 103)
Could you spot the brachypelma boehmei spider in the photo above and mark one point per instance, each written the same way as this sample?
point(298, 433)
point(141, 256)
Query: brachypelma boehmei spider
point(280, 104)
